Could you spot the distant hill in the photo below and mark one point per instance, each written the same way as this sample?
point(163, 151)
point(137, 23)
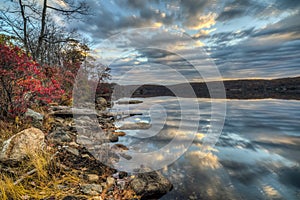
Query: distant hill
point(283, 88)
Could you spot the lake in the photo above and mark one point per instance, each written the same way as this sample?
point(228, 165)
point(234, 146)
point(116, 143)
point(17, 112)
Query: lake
point(256, 156)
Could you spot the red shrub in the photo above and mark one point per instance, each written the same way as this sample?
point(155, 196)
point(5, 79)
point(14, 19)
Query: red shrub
point(23, 83)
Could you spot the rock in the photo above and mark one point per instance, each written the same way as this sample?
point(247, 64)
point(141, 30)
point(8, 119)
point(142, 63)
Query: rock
point(126, 156)
point(110, 181)
point(130, 102)
point(101, 103)
point(119, 133)
point(113, 138)
point(59, 136)
point(91, 177)
point(134, 126)
point(150, 185)
point(74, 198)
point(120, 147)
point(18, 146)
point(34, 115)
point(67, 112)
point(72, 151)
point(37, 118)
point(91, 189)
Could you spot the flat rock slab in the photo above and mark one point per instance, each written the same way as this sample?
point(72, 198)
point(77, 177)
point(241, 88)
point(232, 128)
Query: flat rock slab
point(130, 102)
point(135, 126)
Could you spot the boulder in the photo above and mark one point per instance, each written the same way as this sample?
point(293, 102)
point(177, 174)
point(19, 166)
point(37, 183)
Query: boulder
point(20, 145)
point(150, 185)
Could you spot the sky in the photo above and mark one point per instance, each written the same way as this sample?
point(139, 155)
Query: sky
point(164, 41)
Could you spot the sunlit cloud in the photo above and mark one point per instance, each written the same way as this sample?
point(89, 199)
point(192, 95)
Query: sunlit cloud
point(245, 39)
point(205, 21)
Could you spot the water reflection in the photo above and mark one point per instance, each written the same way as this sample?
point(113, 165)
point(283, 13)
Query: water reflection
point(256, 157)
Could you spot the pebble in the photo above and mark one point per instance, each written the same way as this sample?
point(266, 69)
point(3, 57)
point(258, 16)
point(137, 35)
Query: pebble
point(91, 189)
point(91, 177)
point(110, 181)
point(72, 150)
point(119, 133)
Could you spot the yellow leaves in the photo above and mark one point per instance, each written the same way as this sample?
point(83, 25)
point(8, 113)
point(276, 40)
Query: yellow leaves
point(17, 120)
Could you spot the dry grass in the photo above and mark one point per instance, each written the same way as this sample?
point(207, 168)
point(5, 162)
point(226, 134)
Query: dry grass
point(41, 176)
point(9, 128)
point(45, 181)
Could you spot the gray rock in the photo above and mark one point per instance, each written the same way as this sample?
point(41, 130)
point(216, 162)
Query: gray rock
point(150, 185)
point(35, 115)
point(135, 126)
point(72, 151)
point(91, 189)
point(59, 136)
point(20, 145)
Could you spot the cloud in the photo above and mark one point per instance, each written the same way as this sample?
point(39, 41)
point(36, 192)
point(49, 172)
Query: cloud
point(266, 47)
point(288, 25)
point(269, 51)
point(287, 4)
point(204, 21)
point(234, 9)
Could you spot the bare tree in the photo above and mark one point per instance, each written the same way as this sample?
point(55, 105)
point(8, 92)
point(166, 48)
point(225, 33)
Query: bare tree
point(31, 21)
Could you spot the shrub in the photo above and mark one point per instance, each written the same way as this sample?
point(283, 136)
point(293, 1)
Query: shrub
point(23, 83)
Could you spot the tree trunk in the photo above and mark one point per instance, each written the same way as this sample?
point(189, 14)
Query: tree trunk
point(42, 32)
point(25, 39)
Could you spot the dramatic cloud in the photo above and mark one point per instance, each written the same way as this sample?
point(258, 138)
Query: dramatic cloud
point(249, 38)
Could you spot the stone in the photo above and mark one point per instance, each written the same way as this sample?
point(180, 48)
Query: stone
point(91, 189)
point(35, 115)
point(20, 145)
point(101, 104)
point(72, 150)
point(37, 118)
point(126, 156)
point(120, 147)
point(119, 133)
point(110, 181)
point(59, 136)
point(91, 177)
point(113, 138)
point(69, 197)
point(130, 102)
point(101, 101)
point(150, 185)
point(68, 112)
point(135, 126)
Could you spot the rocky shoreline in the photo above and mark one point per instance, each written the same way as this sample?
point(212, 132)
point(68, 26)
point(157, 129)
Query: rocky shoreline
point(71, 153)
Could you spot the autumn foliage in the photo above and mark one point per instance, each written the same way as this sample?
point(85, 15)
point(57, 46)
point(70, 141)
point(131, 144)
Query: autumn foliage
point(23, 83)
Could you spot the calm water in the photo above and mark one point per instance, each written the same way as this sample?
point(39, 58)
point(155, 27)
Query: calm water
point(257, 155)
